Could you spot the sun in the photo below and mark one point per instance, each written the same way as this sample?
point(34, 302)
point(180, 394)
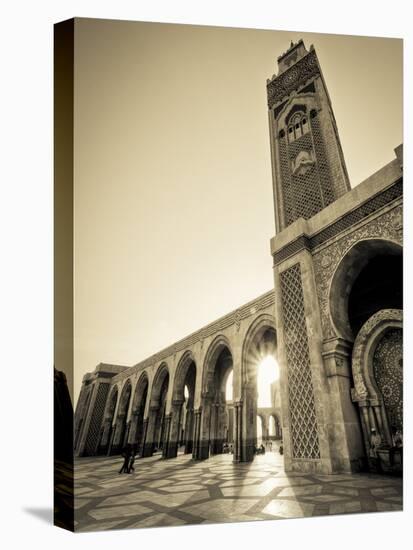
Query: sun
point(268, 372)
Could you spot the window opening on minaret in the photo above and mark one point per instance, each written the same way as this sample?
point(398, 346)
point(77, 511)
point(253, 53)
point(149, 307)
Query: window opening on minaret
point(297, 126)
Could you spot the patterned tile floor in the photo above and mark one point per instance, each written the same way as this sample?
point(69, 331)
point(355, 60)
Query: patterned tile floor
point(179, 491)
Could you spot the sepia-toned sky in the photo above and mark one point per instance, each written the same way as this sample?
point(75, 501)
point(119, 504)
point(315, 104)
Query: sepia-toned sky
point(173, 189)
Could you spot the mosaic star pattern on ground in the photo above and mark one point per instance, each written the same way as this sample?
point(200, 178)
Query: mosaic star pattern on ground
point(180, 491)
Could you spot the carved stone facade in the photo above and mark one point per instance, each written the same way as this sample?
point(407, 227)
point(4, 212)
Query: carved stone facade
point(329, 238)
point(384, 225)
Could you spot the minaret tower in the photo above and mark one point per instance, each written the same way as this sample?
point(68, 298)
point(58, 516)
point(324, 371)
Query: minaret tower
point(309, 171)
point(321, 431)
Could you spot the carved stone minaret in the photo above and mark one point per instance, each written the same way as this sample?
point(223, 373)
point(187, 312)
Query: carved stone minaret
point(309, 171)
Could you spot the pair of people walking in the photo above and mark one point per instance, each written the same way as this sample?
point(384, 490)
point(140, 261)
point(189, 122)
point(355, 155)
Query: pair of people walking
point(129, 454)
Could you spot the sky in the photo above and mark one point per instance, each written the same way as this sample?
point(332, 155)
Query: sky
point(173, 189)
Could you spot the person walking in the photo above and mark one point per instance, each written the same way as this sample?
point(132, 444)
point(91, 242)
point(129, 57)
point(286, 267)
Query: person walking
point(126, 456)
point(131, 467)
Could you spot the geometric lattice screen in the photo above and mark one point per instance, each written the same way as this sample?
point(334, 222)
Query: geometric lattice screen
point(96, 420)
point(304, 433)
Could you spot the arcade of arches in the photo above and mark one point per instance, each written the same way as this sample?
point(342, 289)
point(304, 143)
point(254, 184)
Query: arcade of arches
point(189, 404)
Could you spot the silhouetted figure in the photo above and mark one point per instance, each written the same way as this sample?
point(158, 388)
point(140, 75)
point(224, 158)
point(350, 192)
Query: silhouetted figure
point(281, 449)
point(126, 457)
point(131, 467)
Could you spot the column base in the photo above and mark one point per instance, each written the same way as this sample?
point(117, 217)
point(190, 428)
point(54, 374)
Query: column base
point(171, 451)
point(247, 452)
point(202, 452)
point(147, 450)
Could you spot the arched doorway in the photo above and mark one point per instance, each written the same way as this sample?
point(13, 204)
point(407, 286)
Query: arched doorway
point(214, 422)
point(369, 278)
point(182, 412)
point(120, 435)
point(259, 373)
point(138, 413)
point(377, 366)
point(158, 424)
point(366, 301)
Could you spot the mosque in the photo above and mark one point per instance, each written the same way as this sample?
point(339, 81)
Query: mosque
point(329, 333)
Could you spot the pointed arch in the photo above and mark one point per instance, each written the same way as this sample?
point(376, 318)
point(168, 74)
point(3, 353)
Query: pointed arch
point(255, 332)
point(345, 275)
point(216, 347)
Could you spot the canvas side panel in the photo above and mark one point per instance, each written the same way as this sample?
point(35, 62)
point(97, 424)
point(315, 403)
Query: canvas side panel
point(63, 274)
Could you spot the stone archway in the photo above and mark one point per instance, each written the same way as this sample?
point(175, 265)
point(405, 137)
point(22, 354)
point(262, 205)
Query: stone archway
point(158, 424)
point(378, 375)
point(211, 421)
point(120, 435)
point(136, 435)
point(347, 274)
point(260, 342)
point(182, 411)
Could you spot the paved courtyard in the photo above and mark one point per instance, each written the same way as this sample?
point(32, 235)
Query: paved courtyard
point(179, 491)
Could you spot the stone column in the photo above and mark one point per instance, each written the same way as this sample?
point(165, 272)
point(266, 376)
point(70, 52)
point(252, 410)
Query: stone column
point(175, 423)
point(277, 430)
point(231, 425)
point(125, 438)
point(141, 442)
point(205, 429)
point(365, 424)
point(166, 435)
point(196, 454)
point(111, 436)
point(149, 441)
point(222, 421)
point(104, 442)
point(383, 426)
point(132, 428)
point(265, 428)
point(238, 431)
point(346, 447)
point(116, 446)
point(214, 431)
point(189, 430)
point(249, 423)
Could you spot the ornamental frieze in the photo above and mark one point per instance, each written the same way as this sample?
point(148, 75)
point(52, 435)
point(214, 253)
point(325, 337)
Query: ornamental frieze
point(291, 79)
